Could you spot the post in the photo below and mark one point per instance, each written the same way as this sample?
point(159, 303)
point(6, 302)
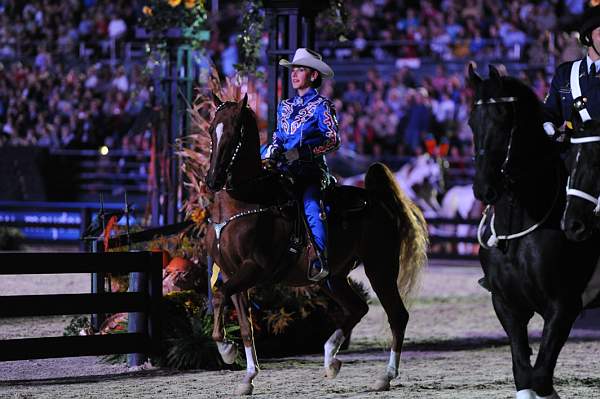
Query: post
point(136, 321)
point(158, 262)
point(98, 285)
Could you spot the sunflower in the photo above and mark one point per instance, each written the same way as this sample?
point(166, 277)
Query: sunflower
point(174, 3)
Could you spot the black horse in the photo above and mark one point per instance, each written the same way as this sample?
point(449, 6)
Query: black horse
point(583, 191)
point(528, 262)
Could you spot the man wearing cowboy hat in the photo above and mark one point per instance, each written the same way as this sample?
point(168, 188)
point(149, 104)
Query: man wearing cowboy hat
point(307, 129)
point(575, 90)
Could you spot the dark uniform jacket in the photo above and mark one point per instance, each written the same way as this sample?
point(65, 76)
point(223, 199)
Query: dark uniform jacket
point(558, 107)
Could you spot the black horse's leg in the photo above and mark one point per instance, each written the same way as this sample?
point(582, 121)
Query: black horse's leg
point(240, 301)
point(354, 308)
point(514, 321)
point(557, 327)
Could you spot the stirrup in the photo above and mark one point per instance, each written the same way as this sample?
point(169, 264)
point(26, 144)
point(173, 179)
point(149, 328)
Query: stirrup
point(321, 275)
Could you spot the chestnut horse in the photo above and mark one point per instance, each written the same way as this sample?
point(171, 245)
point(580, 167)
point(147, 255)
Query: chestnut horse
point(249, 240)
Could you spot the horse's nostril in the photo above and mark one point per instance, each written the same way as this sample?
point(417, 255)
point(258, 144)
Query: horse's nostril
point(576, 226)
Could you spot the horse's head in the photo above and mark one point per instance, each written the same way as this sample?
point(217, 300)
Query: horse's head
point(226, 135)
point(582, 211)
point(493, 120)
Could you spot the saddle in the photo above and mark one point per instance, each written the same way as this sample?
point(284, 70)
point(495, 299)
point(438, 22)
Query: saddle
point(340, 201)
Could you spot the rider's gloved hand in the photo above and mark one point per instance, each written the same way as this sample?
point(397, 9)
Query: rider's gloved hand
point(273, 159)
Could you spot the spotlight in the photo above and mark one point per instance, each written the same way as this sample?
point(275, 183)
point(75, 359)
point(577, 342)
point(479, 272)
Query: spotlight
point(103, 150)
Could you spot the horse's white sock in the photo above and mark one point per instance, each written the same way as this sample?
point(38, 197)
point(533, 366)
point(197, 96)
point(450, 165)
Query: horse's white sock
point(526, 394)
point(332, 346)
point(251, 366)
point(394, 363)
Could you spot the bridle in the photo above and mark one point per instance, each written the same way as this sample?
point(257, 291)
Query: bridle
point(572, 192)
point(503, 100)
point(495, 238)
point(237, 147)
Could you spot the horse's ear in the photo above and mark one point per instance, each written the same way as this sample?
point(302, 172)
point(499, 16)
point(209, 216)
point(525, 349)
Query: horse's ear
point(474, 78)
point(216, 100)
point(494, 73)
point(245, 101)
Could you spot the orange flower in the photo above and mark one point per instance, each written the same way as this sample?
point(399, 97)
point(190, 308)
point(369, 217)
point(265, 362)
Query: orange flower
point(147, 11)
point(190, 4)
point(198, 216)
point(174, 3)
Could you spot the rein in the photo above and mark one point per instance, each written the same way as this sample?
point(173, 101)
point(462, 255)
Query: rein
point(573, 192)
point(494, 238)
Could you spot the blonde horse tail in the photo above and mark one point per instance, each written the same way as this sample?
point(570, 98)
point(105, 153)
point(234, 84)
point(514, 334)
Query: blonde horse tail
point(414, 237)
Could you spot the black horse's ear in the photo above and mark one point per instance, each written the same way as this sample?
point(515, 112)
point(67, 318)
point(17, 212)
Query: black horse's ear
point(245, 101)
point(474, 78)
point(216, 100)
point(494, 73)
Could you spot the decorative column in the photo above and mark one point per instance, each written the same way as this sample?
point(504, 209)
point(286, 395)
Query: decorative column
point(173, 91)
point(291, 24)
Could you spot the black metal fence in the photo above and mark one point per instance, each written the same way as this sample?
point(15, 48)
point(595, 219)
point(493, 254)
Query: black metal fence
point(143, 304)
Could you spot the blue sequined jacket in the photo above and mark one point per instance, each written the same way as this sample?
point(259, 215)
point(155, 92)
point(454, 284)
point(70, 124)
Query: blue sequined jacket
point(307, 123)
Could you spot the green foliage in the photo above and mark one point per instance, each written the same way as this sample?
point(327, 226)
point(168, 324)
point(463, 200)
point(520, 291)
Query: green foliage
point(334, 21)
point(76, 325)
point(11, 239)
point(250, 39)
point(187, 334)
point(190, 16)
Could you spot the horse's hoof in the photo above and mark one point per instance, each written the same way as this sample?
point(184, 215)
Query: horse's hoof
point(382, 384)
point(228, 351)
point(244, 388)
point(526, 394)
point(333, 369)
point(553, 395)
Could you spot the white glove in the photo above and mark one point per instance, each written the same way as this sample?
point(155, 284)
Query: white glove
point(549, 129)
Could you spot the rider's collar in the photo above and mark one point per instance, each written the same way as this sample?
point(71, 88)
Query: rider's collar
point(590, 62)
point(309, 95)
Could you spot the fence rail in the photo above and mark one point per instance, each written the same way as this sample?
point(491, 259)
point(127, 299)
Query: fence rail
point(143, 305)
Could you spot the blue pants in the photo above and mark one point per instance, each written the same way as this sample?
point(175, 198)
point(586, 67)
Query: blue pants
point(312, 209)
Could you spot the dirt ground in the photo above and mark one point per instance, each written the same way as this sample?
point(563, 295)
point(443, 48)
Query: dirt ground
point(454, 348)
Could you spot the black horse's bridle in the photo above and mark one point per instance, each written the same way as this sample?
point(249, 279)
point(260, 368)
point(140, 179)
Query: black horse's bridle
point(502, 100)
point(573, 192)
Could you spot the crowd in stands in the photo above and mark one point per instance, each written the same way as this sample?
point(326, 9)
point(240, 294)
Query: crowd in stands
point(49, 97)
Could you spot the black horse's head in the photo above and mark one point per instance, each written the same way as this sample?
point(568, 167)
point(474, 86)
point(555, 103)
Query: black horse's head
point(503, 106)
point(581, 214)
point(226, 135)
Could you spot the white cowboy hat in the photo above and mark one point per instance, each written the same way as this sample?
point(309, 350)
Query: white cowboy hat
point(309, 58)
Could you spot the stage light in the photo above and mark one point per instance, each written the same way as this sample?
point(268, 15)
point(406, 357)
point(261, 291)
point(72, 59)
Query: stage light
point(103, 150)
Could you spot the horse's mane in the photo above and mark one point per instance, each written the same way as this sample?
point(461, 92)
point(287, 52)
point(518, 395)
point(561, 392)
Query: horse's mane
point(530, 103)
point(530, 118)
